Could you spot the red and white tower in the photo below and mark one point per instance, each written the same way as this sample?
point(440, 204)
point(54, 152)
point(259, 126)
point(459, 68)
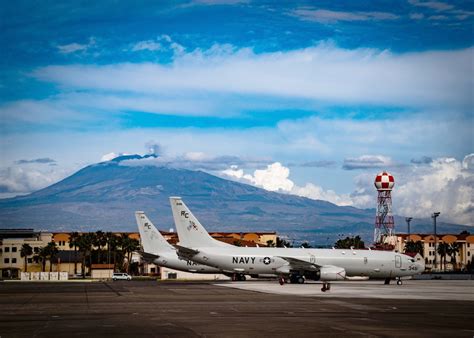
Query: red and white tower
point(384, 223)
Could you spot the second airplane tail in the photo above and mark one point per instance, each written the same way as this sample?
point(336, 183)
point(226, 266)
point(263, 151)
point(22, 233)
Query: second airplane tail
point(190, 231)
point(152, 240)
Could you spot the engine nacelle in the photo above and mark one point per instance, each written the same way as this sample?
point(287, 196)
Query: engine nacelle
point(331, 272)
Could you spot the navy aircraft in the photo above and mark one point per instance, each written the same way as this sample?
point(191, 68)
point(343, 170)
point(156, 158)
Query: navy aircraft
point(295, 264)
point(160, 252)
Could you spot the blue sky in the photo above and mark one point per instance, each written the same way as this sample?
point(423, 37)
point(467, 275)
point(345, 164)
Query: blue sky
point(332, 92)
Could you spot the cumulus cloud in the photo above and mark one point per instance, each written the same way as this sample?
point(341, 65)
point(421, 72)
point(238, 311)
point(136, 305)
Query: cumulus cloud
point(20, 180)
point(275, 177)
point(328, 16)
point(323, 72)
point(366, 162)
point(444, 184)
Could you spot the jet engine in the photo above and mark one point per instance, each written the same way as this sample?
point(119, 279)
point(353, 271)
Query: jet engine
point(331, 272)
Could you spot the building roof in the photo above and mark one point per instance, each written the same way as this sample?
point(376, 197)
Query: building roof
point(18, 233)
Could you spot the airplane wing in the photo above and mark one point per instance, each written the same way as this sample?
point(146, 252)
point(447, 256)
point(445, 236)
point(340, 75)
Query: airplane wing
point(298, 264)
point(184, 252)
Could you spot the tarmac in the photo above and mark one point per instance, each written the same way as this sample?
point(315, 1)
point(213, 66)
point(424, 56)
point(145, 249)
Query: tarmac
point(204, 309)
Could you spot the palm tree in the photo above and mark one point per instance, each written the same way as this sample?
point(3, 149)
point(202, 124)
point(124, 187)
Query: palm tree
point(25, 251)
point(453, 250)
point(443, 251)
point(42, 256)
point(52, 250)
point(74, 243)
point(270, 243)
point(414, 247)
point(350, 242)
point(129, 245)
point(100, 240)
point(85, 244)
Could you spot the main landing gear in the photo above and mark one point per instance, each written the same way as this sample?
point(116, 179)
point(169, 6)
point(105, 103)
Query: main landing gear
point(238, 277)
point(326, 287)
point(297, 279)
point(399, 281)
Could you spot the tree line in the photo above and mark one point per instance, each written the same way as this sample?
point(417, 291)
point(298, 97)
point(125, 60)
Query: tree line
point(92, 248)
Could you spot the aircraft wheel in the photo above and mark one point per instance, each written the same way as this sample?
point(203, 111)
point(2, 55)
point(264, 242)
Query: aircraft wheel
point(323, 289)
point(300, 280)
point(399, 282)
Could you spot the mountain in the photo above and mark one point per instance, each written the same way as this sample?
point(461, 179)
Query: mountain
point(106, 195)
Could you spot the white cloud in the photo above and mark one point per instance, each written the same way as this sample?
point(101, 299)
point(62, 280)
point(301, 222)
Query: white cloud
point(445, 185)
point(417, 16)
point(323, 72)
point(435, 5)
point(315, 192)
point(150, 45)
point(275, 177)
point(328, 16)
point(111, 156)
point(76, 47)
point(20, 180)
point(367, 161)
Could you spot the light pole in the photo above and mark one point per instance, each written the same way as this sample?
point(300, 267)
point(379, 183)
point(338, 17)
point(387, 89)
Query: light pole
point(408, 220)
point(435, 214)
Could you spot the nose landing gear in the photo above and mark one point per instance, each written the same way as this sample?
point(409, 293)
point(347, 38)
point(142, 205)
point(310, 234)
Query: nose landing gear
point(326, 287)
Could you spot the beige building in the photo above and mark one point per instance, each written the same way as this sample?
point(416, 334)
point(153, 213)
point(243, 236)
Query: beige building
point(463, 257)
point(11, 241)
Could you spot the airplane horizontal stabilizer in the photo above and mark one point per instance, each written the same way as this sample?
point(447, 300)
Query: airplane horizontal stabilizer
point(184, 252)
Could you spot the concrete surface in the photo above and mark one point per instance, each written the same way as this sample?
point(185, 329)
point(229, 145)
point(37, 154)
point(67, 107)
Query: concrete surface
point(189, 309)
point(411, 289)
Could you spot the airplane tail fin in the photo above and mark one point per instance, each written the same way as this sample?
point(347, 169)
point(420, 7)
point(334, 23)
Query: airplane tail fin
point(152, 240)
point(190, 231)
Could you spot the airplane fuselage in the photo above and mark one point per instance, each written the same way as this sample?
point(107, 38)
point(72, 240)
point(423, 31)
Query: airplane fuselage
point(370, 263)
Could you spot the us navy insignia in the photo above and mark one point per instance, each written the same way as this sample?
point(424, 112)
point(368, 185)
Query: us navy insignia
point(266, 260)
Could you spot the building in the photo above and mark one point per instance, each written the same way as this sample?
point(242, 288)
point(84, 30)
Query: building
point(11, 241)
point(463, 256)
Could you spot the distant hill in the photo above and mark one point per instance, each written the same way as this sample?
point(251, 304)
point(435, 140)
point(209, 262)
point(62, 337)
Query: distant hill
point(106, 195)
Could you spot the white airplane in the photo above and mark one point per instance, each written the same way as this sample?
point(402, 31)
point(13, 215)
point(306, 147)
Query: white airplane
point(294, 263)
point(158, 250)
